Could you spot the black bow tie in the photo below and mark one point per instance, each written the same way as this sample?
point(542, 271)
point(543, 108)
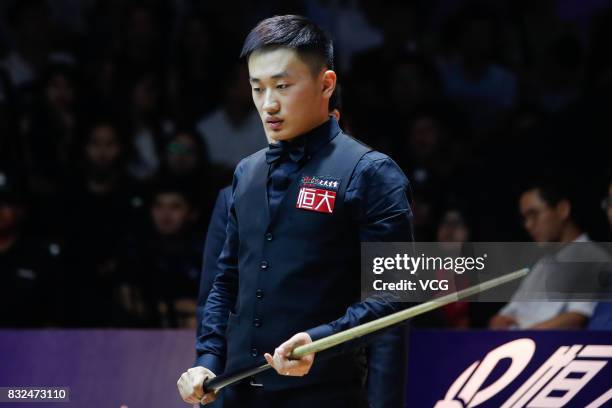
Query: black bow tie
point(283, 150)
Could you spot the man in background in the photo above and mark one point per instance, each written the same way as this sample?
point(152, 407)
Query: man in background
point(30, 280)
point(549, 214)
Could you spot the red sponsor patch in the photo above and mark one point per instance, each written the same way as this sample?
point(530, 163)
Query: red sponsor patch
point(316, 199)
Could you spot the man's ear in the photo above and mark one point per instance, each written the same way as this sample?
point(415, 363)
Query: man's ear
point(329, 83)
point(564, 208)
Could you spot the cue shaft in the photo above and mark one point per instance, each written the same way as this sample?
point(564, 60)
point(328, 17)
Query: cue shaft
point(386, 321)
point(223, 380)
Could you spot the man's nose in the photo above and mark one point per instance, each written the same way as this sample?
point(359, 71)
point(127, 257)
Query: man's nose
point(529, 226)
point(270, 104)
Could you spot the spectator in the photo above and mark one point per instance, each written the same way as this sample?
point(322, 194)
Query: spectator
point(549, 214)
point(349, 24)
point(141, 42)
point(194, 88)
point(559, 74)
point(233, 131)
point(11, 145)
point(102, 74)
point(167, 262)
point(427, 148)
point(144, 126)
point(31, 34)
point(102, 205)
point(52, 128)
point(30, 282)
point(416, 83)
point(471, 77)
point(453, 231)
point(186, 165)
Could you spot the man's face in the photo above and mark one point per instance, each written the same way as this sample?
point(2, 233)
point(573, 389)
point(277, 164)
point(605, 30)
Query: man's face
point(60, 91)
point(103, 148)
point(10, 215)
point(542, 222)
point(424, 137)
point(145, 94)
point(453, 228)
point(170, 213)
point(289, 98)
point(182, 154)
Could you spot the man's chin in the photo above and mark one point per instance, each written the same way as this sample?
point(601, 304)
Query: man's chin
point(280, 136)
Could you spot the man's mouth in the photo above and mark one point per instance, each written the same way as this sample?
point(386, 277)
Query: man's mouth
point(274, 123)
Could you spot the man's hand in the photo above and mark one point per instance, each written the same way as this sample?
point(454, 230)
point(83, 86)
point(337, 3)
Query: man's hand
point(190, 386)
point(502, 322)
point(285, 366)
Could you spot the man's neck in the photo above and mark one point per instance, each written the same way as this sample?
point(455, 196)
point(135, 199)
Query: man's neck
point(570, 233)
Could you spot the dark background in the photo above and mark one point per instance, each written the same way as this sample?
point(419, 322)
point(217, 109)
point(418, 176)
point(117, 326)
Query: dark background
point(472, 99)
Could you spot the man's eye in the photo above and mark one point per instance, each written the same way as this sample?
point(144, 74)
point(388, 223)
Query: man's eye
point(282, 86)
point(256, 89)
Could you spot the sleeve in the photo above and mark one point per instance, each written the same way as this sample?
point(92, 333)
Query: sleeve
point(516, 306)
point(211, 342)
point(387, 368)
point(377, 198)
point(215, 239)
point(584, 308)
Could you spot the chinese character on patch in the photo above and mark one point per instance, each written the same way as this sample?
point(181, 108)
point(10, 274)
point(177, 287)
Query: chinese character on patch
point(315, 199)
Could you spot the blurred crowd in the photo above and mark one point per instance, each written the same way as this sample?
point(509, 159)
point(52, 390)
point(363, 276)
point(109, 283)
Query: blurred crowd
point(121, 120)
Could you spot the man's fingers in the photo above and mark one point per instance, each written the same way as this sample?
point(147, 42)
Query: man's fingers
point(295, 341)
point(308, 358)
point(292, 364)
point(190, 385)
point(285, 366)
point(208, 398)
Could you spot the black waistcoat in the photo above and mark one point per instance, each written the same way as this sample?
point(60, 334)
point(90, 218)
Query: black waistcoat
point(297, 270)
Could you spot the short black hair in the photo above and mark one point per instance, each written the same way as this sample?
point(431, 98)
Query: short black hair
point(172, 185)
point(552, 190)
point(93, 122)
point(296, 32)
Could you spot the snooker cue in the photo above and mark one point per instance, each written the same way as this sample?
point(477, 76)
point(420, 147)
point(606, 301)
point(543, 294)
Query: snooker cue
point(223, 380)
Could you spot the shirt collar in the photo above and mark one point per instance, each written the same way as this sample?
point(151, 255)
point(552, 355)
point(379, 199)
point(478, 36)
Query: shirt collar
point(584, 237)
point(307, 144)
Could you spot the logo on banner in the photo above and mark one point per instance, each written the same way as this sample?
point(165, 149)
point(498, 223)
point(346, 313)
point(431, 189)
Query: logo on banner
point(553, 385)
point(318, 193)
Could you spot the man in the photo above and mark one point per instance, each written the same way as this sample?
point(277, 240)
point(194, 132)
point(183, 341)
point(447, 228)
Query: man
point(31, 282)
point(169, 260)
point(234, 131)
point(291, 258)
point(549, 216)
